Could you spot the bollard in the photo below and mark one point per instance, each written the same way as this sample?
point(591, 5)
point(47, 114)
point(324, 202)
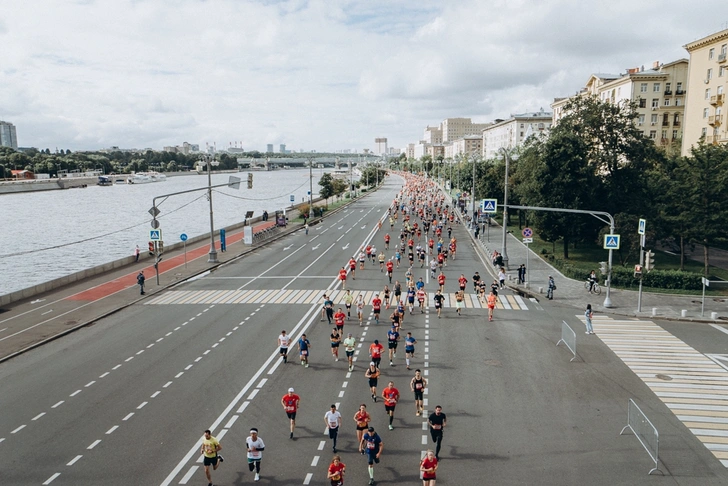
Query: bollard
point(540, 290)
point(714, 315)
point(683, 313)
point(654, 311)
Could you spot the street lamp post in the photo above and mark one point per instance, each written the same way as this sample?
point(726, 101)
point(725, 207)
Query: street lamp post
point(472, 197)
point(310, 185)
point(212, 257)
point(504, 253)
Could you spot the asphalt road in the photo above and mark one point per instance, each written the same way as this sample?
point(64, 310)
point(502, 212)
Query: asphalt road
point(125, 401)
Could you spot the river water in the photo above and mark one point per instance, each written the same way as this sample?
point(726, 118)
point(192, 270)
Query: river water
point(46, 235)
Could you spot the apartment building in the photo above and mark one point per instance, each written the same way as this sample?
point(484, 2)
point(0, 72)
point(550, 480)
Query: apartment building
point(8, 135)
point(706, 87)
point(432, 135)
point(592, 87)
point(469, 144)
point(457, 128)
point(513, 131)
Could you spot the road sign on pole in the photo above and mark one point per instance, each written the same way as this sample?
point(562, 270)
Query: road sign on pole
point(155, 235)
point(611, 242)
point(489, 205)
point(527, 232)
point(641, 226)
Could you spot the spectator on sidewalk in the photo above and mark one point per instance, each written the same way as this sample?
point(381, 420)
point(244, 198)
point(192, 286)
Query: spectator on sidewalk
point(552, 287)
point(140, 281)
point(588, 314)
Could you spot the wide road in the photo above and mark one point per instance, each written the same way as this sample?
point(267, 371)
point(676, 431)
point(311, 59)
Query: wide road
point(126, 400)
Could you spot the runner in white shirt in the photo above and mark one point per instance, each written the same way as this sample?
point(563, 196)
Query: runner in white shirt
point(333, 421)
point(283, 341)
point(255, 452)
point(360, 308)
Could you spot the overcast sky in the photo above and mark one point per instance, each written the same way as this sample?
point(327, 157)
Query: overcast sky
point(316, 75)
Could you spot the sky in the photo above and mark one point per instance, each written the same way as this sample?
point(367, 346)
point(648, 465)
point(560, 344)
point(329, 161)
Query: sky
point(321, 75)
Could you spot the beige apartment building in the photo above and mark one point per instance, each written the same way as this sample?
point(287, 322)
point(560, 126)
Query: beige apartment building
point(469, 144)
point(706, 87)
point(433, 135)
point(514, 131)
point(659, 93)
point(457, 128)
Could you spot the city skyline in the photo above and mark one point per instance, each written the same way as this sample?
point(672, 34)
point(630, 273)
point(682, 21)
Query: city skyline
point(317, 74)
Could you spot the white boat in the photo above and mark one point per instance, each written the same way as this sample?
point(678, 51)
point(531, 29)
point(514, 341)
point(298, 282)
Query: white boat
point(145, 177)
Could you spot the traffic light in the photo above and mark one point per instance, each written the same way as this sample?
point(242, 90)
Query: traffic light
point(160, 247)
point(603, 268)
point(250, 180)
point(649, 260)
point(151, 248)
point(637, 271)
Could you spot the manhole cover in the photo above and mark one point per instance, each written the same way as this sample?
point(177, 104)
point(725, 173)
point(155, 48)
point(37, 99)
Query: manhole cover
point(663, 377)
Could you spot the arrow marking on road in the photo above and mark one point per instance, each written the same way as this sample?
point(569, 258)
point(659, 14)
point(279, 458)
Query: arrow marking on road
point(363, 226)
point(36, 301)
point(340, 227)
point(345, 247)
point(316, 247)
point(287, 248)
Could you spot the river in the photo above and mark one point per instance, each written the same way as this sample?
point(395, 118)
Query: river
point(47, 235)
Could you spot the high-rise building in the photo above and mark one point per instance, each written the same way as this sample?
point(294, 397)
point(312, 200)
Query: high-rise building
point(283, 148)
point(706, 87)
point(514, 131)
point(269, 148)
point(456, 128)
point(8, 136)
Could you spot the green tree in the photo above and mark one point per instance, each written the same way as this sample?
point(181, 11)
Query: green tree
point(327, 187)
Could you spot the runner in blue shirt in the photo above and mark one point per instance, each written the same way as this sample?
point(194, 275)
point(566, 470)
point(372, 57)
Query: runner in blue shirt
point(409, 348)
point(304, 346)
point(393, 340)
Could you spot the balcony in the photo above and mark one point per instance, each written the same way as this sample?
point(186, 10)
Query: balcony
point(665, 123)
point(715, 120)
point(714, 100)
point(711, 139)
point(668, 92)
point(679, 92)
point(676, 124)
point(721, 57)
point(719, 99)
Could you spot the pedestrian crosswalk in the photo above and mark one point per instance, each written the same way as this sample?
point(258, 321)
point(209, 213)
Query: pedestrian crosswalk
point(692, 385)
point(306, 296)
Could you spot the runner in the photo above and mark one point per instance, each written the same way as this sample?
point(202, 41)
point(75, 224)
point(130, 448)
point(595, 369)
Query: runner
point(462, 282)
point(411, 294)
point(349, 345)
point(391, 397)
point(476, 281)
point(283, 342)
point(428, 468)
point(459, 301)
point(362, 418)
point(304, 348)
point(390, 268)
point(255, 447)
point(437, 421)
point(386, 241)
point(398, 257)
point(481, 291)
point(441, 281)
point(323, 307)
point(210, 448)
point(397, 291)
point(335, 342)
point(373, 445)
point(360, 309)
point(433, 268)
point(381, 258)
point(362, 259)
point(329, 307)
point(348, 299)
point(418, 385)
point(290, 402)
point(409, 348)
point(339, 320)
point(491, 304)
point(438, 298)
point(372, 373)
point(369, 252)
point(375, 352)
point(336, 472)
point(386, 296)
point(342, 277)
point(421, 296)
point(377, 306)
point(392, 341)
point(352, 268)
point(332, 418)
point(400, 311)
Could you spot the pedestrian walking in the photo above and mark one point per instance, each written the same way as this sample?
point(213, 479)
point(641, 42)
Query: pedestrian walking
point(336, 471)
point(332, 418)
point(255, 447)
point(140, 281)
point(290, 402)
point(588, 314)
point(373, 446)
point(210, 448)
point(306, 227)
point(428, 466)
point(437, 421)
point(552, 287)
point(522, 274)
point(502, 277)
point(137, 251)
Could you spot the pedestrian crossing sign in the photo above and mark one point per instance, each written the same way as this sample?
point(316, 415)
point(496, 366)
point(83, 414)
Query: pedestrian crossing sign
point(155, 235)
point(611, 242)
point(489, 205)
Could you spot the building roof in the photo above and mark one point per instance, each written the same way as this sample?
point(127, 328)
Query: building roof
point(717, 36)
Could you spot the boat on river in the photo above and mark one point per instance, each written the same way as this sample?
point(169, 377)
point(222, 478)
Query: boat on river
point(146, 177)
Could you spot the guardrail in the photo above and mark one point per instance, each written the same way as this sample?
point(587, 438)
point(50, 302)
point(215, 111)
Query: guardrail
point(645, 432)
point(568, 337)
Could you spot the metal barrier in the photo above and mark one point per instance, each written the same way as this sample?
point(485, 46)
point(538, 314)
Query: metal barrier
point(568, 337)
point(645, 432)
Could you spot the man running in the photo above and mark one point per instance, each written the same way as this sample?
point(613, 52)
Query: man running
point(491, 304)
point(329, 307)
point(342, 277)
point(210, 448)
point(372, 373)
point(377, 307)
point(439, 299)
point(348, 299)
point(352, 268)
point(360, 309)
point(372, 445)
point(375, 352)
point(409, 348)
point(304, 347)
point(476, 281)
point(459, 301)
point(421, 296)
point(362, 418)
point(349, 345)
point(283, 342)
point(441, 281)
point(255, 447)
point(391, 397)
point(418, 385)
point(437, 421)
point(290, 402)
point(386, 241)
point(339, 320)
point(462, 282)
point(381, 259)
point(332, 418)
point(411, 294)
point(392, 341)
point(335, 342)
point(390, 269)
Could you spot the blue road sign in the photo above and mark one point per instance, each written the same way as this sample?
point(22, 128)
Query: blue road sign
point(489, 205)
point(183, 237)
point(155, 235)
point(641, 226)
point(293, 198)
point(611, 242)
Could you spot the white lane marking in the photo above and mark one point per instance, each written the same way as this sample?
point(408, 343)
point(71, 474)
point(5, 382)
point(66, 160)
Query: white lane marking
point(231, 421)
point(38, 416)
point(94, 444)
point(720, 328)
point(262, 382)
point(287, 247)
point(308, 478)
point(252, 394)
point(198, 359)
point(160, 339)
point(154, 395)
point(321, 445)
point(44, 313)
point(344, 385)
point(179, 374)
point(104, 375)
point(116, 367)
point(341, 394)
point(166, 384)
point(424, 440)
point(74, 460)
point(140, 352)
point(315, 247)
point(18, 429)
point(142, 405)
point(112, 429)
point(188, 367)
point(75, 393)
point(345, 247)
point(243, 407)
point(221, 434)
point(50, 479)
point(315, 461)
point(150, 345)
point(3, 329)
point(89, 384)
point(129, 359)
point(189, 474)
point(58, 404)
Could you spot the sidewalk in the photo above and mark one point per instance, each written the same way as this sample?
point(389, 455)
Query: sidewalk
point(573, 293)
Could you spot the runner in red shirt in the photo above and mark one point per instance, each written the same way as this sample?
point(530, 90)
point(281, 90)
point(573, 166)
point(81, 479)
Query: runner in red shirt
point(462, 281)
point(410, 243)
point(369, 252)
point(377, 306)
point(339, 319)
point(431, 244)
point(428, 467)
point(441, 281)
point(336, 471)
point(342, 277)
point(421, 295)
point(352, 267)
point(375, 351)
point(362, 418)
point(386, 241)
point(390, 269)
point(290, 403)
point(440, 260)
point(391, 397)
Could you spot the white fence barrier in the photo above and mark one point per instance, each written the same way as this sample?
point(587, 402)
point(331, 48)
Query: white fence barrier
point(645, 432)
point(568, 337)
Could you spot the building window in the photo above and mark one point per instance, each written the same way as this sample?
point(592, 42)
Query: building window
point(643, 103)
point(653, 134)
point(705, 112)
point(655, 102)
point(665, 120)
point(674, 134)
point(678, 101)
point(641, 119)
point(653, 119)
point(721, 71)
point(522, 125)
point(679, 88)
point(656, 87)
point(676, 120)
point(643, 88)
point(710, 74)
point(724, 49)
point(720, 89)
point(521, 134)
point(667, 101)
point(664, 134)
point(703, 132)
point(667, 87)
point(707, 94)
point(711, 53)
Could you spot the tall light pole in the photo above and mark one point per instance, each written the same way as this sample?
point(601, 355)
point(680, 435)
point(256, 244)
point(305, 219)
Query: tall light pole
point(210, 159)
point(310, 185)
point(504, 253)
point(472, 197)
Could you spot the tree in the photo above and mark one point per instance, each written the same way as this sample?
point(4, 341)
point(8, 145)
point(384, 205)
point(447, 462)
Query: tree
point(327, 187)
